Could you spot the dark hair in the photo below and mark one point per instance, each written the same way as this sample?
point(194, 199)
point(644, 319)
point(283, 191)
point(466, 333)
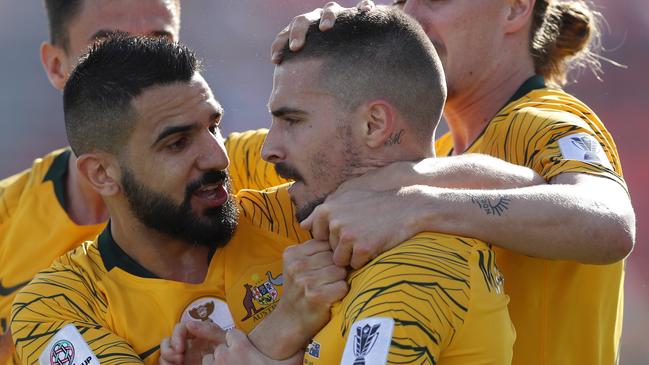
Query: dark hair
point(97, 97)
point(383, 54)
point(59, 15)
point(564, 35)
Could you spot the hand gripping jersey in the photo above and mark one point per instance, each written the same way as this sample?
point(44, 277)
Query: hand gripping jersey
point(434, 299)
point(35, 228)
point(95, 304)
point(564, 312)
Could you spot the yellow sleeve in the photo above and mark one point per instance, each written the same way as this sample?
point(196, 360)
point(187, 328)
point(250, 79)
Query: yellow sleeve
point(555, 142)
point(56, 298)
point(421, 289)
point(247, 169)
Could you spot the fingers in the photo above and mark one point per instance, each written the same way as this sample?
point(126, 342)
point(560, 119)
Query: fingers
point(329, 14)
point(178, 338)
point(366, 5)
point(361, 255)
point(207, 331)
point(278, 44)
point(169, 356)
point(209, 359)
point(318, 223)
point(343, 254)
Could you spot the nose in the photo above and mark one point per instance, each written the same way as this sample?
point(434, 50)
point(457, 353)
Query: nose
point(212, 155)
point(273, 150)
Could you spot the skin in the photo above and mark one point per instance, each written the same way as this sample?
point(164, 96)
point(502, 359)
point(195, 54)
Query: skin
point(596, 216)
point(96, 19)
point(165, 165)
point(146, 17)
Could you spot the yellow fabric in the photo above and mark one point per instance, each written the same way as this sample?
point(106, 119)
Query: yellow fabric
point(122, 316)
point(564, 312)
point(34, 227)
point(247, 169)
point(444, 293)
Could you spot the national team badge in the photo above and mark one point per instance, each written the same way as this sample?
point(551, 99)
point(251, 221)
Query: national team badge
point(261, 293)
point(209, 309)
point(62, 353)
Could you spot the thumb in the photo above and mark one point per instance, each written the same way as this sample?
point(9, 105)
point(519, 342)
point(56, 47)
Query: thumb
point(207, 331)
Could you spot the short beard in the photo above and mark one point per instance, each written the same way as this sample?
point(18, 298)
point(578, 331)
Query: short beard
point(305, 211)
point(213, 229)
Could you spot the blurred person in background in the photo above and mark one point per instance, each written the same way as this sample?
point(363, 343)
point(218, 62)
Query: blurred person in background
point(560, 246)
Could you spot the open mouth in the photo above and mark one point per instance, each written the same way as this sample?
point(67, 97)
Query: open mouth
point(211, 195)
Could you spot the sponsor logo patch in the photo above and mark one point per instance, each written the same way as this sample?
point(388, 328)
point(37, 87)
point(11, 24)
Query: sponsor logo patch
point(68, 347)
point(260, 293)
point(209, 309)
point(368, 342)
point(583, 147)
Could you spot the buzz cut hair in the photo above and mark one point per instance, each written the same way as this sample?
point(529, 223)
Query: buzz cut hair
point(379, 54)
point(97, 99)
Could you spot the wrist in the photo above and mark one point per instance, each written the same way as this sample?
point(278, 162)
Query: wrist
point(279, 335)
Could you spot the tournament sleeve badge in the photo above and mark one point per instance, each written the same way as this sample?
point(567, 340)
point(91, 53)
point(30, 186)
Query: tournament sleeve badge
point(368, 342)
point(68, 347)
point(583, 147)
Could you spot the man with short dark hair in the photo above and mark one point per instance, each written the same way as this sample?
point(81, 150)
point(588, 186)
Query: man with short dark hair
point(49, 205)
point(146, 129)
point(339, 110)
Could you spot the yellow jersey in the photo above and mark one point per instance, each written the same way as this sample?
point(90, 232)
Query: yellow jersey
point(564, 312)
point(31, 210)
point(34, 227)
point(434, 299)
point(95, 304)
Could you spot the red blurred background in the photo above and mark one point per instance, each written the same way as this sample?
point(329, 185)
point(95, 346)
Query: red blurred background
point(234, 39)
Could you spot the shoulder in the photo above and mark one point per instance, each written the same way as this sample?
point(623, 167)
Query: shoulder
point(252, 137)
point(13, 189)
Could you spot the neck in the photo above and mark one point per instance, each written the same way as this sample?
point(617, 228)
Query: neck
point(83, 205)
point(167, 258)
point(468, 112)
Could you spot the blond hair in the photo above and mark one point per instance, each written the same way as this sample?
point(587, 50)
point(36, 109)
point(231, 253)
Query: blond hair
point(564, 36)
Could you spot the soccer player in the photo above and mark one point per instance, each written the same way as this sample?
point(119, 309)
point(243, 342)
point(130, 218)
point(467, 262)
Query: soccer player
point(339, 111)
point(49, 205)
point(145, 127)
point(505, 63)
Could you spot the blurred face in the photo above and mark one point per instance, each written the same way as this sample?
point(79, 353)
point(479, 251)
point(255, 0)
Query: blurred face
point(98, 18)
point(310, 139)
point(466, 35)
point(174, 167)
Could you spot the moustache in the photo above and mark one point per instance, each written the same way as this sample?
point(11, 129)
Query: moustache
point(210, 177)
point(288, 172)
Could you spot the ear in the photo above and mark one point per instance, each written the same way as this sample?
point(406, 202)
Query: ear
point(519, 15)
point(379, 123)
point(101, 172)
point(55, 63)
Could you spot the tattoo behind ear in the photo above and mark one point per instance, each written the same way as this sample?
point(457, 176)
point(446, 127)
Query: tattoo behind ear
point(494, 206)
point(395, 138)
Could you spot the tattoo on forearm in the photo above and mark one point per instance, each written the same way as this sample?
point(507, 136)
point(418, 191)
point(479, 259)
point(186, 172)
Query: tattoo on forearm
point(395, 138)
point(493, 206)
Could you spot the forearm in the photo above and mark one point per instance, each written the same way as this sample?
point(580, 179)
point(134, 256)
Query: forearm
point(561, 222)
point(278, 338)
point(473, 171)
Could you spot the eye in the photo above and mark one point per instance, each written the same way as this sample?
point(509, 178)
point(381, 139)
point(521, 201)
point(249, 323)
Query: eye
point(179, 144)
point(215, 129)
point(291, 121)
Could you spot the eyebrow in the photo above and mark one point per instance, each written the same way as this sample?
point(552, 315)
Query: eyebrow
point(105, 33)
point(282, 111)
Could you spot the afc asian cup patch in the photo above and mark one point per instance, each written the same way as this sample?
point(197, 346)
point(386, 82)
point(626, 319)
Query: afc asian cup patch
point(368, 342)
point(209, 309)
point(68, 347)
point(583, 147)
